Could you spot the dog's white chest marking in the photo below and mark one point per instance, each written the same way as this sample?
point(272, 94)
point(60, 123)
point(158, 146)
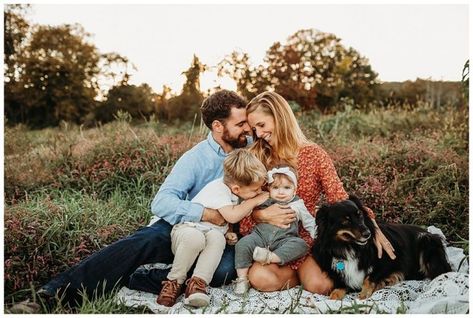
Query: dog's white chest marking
point(350, 272)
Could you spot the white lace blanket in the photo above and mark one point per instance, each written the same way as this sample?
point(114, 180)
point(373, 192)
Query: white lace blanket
point(447, 293)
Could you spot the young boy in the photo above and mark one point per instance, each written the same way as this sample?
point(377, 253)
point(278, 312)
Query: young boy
point(271, 244)
point(243, 177)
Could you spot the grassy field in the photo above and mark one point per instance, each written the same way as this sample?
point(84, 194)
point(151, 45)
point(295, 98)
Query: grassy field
point(69, 191)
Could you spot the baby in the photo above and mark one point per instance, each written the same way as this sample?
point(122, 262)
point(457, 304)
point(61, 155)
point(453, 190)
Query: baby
point(269, 243)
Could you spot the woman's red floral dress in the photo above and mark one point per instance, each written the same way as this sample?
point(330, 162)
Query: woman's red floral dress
point(317, 177)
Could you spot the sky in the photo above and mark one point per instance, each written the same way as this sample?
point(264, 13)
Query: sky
point(401, 41)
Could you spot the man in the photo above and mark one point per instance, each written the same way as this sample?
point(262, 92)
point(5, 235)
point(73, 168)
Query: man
point(224, 113)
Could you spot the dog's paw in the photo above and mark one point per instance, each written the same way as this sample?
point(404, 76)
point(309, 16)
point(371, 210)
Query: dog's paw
point(393, 279)
point(338, 294)
point(365, 293)
point(368, 289)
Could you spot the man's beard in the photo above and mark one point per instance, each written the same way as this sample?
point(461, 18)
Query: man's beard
point(238, 142)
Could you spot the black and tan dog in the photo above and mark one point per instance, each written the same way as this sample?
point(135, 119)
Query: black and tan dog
point(345, 249)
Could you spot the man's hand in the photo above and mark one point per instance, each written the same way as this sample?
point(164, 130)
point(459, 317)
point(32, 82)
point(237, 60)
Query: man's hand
point(212, 216)
point(382, 243)
point(278, 215)
point(231, 237)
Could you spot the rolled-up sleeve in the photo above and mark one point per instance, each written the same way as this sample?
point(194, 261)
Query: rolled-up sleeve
point(171, 202)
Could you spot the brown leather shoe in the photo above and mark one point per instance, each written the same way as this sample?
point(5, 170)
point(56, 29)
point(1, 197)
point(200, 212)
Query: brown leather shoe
point(169, 293)
point(196, 293)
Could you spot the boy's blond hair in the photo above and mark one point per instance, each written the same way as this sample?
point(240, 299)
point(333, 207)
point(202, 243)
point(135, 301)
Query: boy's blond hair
point(243, 168)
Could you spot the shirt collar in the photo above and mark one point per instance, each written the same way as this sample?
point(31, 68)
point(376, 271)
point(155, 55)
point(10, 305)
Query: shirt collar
point(215, 146)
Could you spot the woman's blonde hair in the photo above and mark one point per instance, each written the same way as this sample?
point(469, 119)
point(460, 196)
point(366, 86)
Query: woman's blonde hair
point(289, 137)
point(241, 167)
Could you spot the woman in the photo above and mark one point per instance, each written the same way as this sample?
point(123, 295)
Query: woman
point(280, 139)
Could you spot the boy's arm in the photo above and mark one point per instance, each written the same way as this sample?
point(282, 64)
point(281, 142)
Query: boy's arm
point(234, 213)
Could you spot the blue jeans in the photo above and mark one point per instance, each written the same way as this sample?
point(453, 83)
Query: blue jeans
point(113, 265)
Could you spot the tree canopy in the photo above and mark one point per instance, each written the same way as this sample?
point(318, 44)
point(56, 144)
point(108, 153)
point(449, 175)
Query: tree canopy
point(312, 68)
point(186, 105)
point(55, 73)
point(51, 72)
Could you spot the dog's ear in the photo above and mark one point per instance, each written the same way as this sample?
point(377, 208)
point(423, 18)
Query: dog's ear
point(359, 204)
point(322, 215)
point(356, 200)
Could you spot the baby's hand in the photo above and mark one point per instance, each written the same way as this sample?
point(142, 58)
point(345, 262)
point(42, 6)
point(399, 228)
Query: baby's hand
point(231, 237)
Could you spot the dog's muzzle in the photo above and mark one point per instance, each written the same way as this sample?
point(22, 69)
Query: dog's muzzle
point(365, 236)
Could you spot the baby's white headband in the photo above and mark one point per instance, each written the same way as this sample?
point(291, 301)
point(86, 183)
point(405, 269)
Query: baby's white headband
point(283, 170)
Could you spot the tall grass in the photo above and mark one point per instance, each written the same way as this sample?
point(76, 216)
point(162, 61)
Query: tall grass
point(70, 191)
point(410, 166)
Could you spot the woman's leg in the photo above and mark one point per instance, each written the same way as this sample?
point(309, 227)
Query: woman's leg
point(272, 277)
point(313, 279)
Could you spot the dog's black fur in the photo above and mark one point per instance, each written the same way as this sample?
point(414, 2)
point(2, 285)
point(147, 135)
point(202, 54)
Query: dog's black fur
point(345, 234)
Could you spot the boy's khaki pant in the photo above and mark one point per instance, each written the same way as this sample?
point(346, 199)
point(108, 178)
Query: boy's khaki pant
point(186, 243)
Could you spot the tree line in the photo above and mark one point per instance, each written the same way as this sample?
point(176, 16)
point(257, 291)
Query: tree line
point(52, 74)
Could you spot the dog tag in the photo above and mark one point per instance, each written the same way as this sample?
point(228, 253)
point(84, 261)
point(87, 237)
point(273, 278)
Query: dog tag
point(340, 266)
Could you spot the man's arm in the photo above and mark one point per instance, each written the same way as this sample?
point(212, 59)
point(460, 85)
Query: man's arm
point(212, 216)
point(170, 203)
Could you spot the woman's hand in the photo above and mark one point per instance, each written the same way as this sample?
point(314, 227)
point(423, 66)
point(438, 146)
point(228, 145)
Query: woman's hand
point(382, 243)
point(278, 215)
point(231, 237)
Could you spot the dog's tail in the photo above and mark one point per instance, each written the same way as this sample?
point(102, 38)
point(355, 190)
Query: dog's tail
point(432, 257)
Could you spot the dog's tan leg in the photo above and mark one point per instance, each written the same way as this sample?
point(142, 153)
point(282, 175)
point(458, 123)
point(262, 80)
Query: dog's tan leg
point(392, 279)
point(338, 293)
point(368, 288)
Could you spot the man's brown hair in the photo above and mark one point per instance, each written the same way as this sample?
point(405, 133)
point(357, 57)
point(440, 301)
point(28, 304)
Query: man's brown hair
point(218, 106)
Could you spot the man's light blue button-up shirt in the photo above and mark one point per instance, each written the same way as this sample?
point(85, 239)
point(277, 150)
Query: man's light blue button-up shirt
point(197, 167)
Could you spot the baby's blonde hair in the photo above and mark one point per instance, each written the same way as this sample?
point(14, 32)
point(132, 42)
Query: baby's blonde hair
point(243, 168)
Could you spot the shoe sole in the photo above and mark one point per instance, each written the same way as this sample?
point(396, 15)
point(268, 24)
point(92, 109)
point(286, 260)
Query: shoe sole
point(197, 300)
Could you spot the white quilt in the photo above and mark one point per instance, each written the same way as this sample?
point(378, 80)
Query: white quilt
point(447, 293)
